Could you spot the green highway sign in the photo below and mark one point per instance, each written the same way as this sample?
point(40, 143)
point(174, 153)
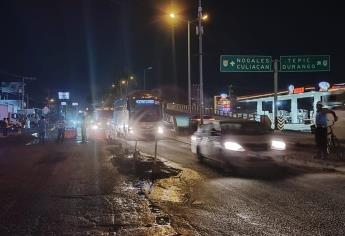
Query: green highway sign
point(305, 63)
point(245, 63)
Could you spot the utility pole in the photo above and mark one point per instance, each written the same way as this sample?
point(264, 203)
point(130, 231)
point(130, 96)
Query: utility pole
point(189, 73)
point(275, 107)
point(126, 88)
point(23, 89)
point(200, 32)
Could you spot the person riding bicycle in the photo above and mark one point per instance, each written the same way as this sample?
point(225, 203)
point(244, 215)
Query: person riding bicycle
point(321, 131)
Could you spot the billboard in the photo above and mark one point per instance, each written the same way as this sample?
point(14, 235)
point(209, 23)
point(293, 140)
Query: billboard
point(222, 103)
point(11, 87)
point(63, 95)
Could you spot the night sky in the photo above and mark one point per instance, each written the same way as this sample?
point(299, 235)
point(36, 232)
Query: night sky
point(83, 46)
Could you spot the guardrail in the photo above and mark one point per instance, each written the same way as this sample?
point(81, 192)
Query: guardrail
point(210, 111)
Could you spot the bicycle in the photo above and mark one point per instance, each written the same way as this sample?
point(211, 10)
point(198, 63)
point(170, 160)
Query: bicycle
point(333, 144)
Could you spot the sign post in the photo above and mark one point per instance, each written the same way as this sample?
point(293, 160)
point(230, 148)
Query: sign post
point(245, 63)
point(305, 63)
point(275, 107)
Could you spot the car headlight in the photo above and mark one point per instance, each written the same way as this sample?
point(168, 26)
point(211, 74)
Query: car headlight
point(94, 127)
point(160, 130)
point(233, 146)
point(278, 145)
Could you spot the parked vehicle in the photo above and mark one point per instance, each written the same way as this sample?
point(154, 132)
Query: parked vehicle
point(235, 142)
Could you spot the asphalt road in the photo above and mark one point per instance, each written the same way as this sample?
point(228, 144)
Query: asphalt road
point(68, 189)
point(73, 189)
point(263, 199)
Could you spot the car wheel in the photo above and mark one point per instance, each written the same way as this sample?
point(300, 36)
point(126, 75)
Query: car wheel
point(198, 155)
point(228, 167)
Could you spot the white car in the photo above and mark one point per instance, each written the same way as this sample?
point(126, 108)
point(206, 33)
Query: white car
point(235, 142)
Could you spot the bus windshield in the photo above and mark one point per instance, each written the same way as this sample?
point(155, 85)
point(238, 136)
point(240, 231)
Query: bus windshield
point(145, 110)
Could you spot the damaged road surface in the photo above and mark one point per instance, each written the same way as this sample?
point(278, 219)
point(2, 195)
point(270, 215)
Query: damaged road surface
point(102, 189)
point(265, 198)
point(71, 189)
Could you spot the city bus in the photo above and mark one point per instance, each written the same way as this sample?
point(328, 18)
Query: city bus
point(138, 116)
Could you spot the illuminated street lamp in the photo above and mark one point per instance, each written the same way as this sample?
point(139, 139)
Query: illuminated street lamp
point(172, 15)
point(200, 32)
point(126, 82)
point(204, 17)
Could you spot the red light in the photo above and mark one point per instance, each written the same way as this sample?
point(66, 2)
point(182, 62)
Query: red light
point(298, 90)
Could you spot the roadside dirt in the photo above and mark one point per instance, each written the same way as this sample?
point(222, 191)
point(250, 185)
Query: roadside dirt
point(16, 140)
point(164, 185)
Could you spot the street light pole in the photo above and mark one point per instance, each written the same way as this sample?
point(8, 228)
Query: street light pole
point(23, 93)
point(145, 79)
point(200, 32)
point(126, 88)
point(189, 73)
point(23, 88)
point(148, 68)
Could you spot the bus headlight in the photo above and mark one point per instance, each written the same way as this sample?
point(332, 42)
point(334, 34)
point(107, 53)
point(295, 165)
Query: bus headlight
point(160, 130)
point(278, 145)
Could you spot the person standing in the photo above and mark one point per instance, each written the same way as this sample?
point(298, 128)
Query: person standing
point(321, 131)
point(83, 129)
point(42, 126)
point(61, 130)
point(8, 125)
point(4, 127)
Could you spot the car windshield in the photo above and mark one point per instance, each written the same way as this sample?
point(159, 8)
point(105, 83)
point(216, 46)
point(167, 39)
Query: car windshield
point(243, 128)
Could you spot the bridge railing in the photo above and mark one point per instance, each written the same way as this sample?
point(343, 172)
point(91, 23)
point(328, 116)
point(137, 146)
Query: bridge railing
point(210, 111)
